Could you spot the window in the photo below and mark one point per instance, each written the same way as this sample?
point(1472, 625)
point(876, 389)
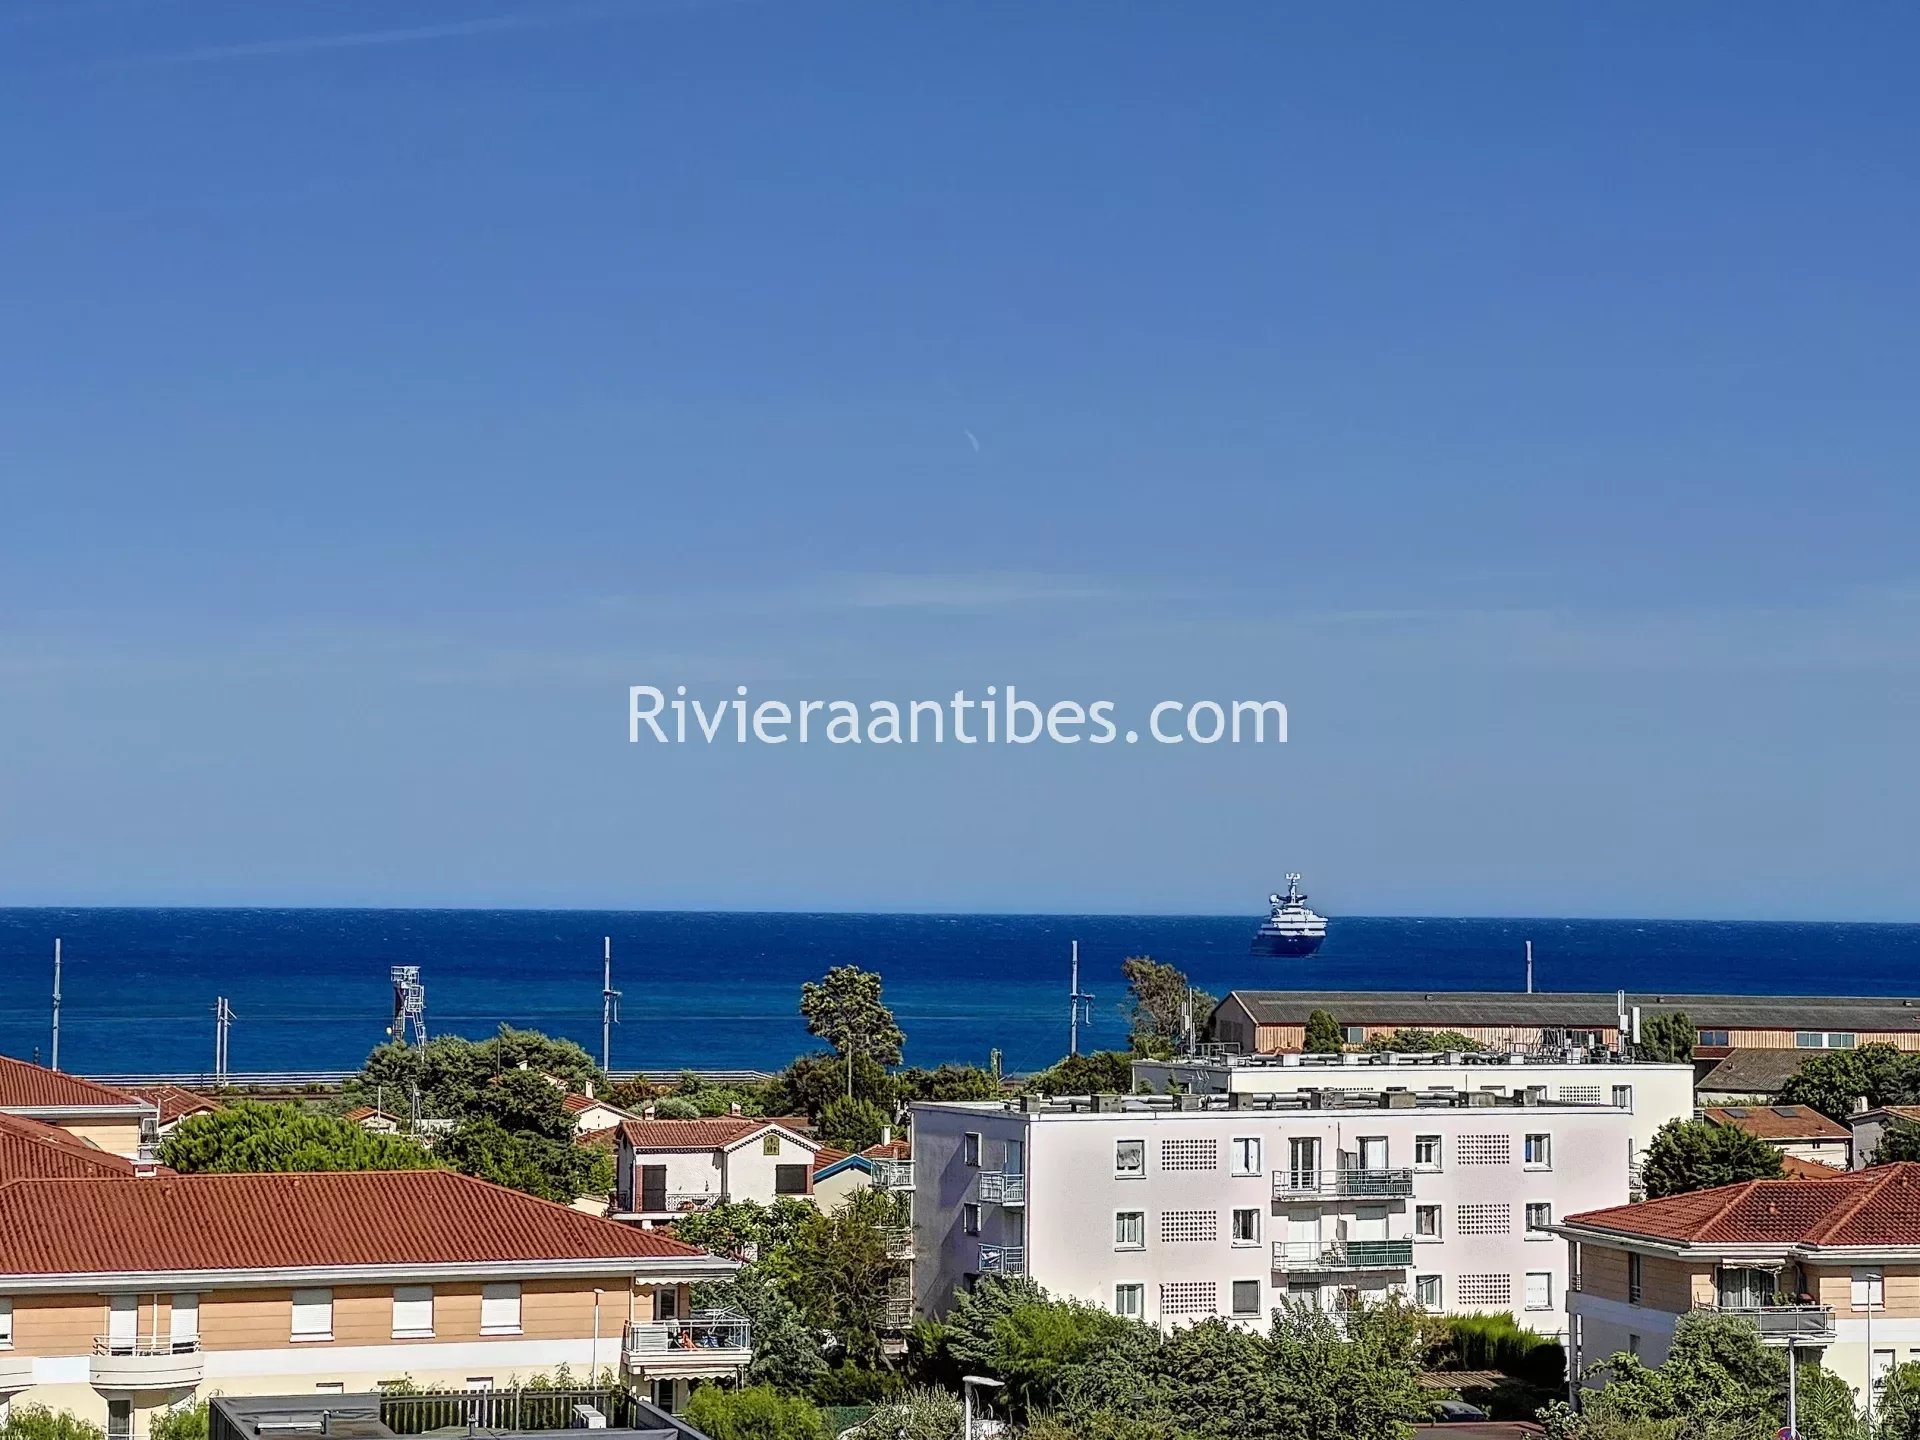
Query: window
point(1711, 1037)
point(1198, 1226)
point(1539, 1290)
point(1130, 1301)
point(1130, 1230)
point(1246, 1297)
point(313, 1315)
point(1623, 1097)
point(1246, 1155)
point(480, 1382)
point(1426, 1152)
point(970, 1218)
point(1633, 1344)
point(1483, 1220)
point(412, 1312)
point(184, 1326)
point(500, 1308)
point(970, 1149)
point(6, 1323)
point(1246, 1227)
point(1539, 1216)
point(1426, 1222)
point(1129, 1157)
point(1354, 1034)
point(1426, 1291)
point(1633, 1281)
point(1882, 1366)
point(1869, 1288)
point(666, 1303)
point(1823, 1039)
point(770, 1145)
point(790, 1179)
point(1189, 1154)
point(329, 1387)
point(1539, 1152)
point(1839, 1040)
point(120, 1418)
point(1016, 1162)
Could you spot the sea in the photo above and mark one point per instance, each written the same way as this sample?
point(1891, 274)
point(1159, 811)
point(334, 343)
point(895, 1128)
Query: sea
point(310, 990)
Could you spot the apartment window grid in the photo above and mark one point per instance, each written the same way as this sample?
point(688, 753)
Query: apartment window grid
point(1427, 1293)
point(1246, 1227)
point(1190, 1297)
point(1426, 1222)
point(1539, 1216)
point(1483, 1150)
point(1483, 1220)
point(1426, 1152)
point(1130, 1230)
point(1189, 1154)
point(1539, 1152)
point(1485, 1289)
point(1189, 1226)
point(1246, 1155)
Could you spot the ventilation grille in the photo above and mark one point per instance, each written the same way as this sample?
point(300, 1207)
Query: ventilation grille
point(1190, 1297)
point(1177, 1226)
point(1189, 1154)
point(1483, 1150)
point(1484, 1289)
point(1581, 1094)
point(1483, 1220)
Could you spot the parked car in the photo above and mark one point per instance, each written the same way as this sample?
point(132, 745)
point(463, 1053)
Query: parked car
point(1456, 1412)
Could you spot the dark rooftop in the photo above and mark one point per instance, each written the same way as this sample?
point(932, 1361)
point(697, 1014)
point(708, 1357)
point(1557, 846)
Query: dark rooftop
point(1464, 1009)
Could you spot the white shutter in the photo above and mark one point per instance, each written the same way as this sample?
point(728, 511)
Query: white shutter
point(412, 1311)
point(186, 1320)
point(500, 1309)
point(1539, 1291)
point(313, 1314)
point(6, 1322)
point(123, 1321)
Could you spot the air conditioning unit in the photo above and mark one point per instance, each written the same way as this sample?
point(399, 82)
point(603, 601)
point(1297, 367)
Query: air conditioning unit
point(585, 1417)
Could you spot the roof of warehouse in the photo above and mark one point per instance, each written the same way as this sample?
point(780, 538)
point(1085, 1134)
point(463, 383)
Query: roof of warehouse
point(1466, 1008)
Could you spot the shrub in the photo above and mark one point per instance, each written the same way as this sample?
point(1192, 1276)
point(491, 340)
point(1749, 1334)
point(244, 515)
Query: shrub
point(37, 1422)
point(758, 1412)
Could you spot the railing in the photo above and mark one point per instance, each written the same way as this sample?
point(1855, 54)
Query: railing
point(701, 1334)
point(997, 1188)
point(1342, 1184)
point(1303, 1256)
point(678, 1202)
point(514, 1410)
point(145, 1362)
point(1003, 1259)
point(893, 1174)
point(1784, 1324)
point(899, 1242)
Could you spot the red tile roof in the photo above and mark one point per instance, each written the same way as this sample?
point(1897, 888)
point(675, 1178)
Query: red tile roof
point(360, 1114)
point(25, 1086)
point(597, 1139)
point(1797, 1169)
point(718, 1132)
point(32, 1151)
point(825, 1156)
point(173, 1102)
point(1876, 1206)
point(1778, 1122)
point(320, 1221)
point(892, 1150)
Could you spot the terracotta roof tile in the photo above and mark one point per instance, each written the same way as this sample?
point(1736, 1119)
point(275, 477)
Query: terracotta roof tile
point(173, 1102)
point(266, 1222)
point(1876, 1206)
point(1778, 1122)
point(825, 1156)
point(25, 1086)
point(712, 1133)
point(1798, 1169)
point(597, 1139)
point(892, 1150)
point(32, 1151)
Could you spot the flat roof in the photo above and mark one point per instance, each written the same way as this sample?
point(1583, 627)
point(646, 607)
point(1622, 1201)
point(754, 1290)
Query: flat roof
point(1329, 1100)
point(1465, 1009)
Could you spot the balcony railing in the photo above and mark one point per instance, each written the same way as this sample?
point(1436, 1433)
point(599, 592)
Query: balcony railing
point(1003, 1259)
point(713, 1341)
point(899, 1242)
point(1300, 1257)
point(677, 1202)
point(893, 1174)
point(145, 1363)
point(1342, 1184)
point(997, 1188)
point(1786, 1324)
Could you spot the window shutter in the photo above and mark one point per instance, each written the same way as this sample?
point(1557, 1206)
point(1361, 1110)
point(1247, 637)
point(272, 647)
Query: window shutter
point(313, 1314)
point(500, 1309)
point(412, 1311)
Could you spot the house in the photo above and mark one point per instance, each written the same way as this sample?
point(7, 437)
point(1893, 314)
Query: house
point(1749, 1076)
point(590, 1114)
point(1831, 1266)
point(665, 1168)
point(30, 1150)
point(368, 1117)
point(836, 1174)
point(1174, 1209)
point(1269, 1021)
point(1869, 1127)
point(172, 1104)
point(1798, 1131)
point(121, 1297)
point(110, 1119)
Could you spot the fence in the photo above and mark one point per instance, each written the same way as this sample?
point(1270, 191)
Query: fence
point(525, 1408)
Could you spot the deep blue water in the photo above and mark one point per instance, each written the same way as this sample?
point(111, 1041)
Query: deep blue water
point(309, 988)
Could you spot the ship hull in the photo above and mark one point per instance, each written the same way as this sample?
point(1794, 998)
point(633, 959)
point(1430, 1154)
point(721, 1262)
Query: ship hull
point(1287, 947)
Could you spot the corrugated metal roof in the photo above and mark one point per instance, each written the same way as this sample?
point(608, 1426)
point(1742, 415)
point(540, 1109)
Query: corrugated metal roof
point(1463, 1009)
point(275, 1222)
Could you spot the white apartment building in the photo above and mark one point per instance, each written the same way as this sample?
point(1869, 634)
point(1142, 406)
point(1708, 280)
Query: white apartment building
point(1170, 1210)
point(1653, 1093)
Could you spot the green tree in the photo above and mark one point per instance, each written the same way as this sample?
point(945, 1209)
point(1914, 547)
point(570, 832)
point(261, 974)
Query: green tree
point(524, 1101)
point(551, 1169)
point(253, 1138)
point(1831, 1081)
point(745, 1229)
point(1666, 1037)
point(676, 1107)
point(949, 1082)
point(1324, 1035)
point(1899, 1141)
point(1163, 1005)
point(845, 1010)
point(1423, 1042)
point(1104, 1072)
point(786, 1350)
point(37, 1422)
point(922, 1413)
point(810, 1083)
point(852, 1124)
point(755, 1412)
point(1688, 1155)
point(187, 1423)
point(1897, 1411)
point(836, 1268)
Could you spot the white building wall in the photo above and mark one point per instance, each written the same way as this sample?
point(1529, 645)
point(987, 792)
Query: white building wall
point(1481, 1257)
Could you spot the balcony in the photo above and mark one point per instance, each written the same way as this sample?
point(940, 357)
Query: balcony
point(893, 1174)
point(1003, 1259)
point(899, 1242)
point(16, 1372)
point(1785, 1324)
point(997, 1188)
point(677, 1202)
point(710, 1343)
point(145, 1364)
point(1309, 1257)
point(1342, 1184)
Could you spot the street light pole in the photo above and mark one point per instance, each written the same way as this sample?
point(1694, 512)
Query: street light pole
point(593, 1365)
point(967, 1384)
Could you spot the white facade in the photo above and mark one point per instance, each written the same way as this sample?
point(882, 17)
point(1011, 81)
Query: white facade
point(656, 1184)
point(1171, 1213)
point(1654, 1093)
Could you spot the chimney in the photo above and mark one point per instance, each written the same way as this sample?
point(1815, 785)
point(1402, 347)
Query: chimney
point(886, 1134)
point(734, 1108)
point(649, 1111)
point(589, 1089)
point(1860, 1106)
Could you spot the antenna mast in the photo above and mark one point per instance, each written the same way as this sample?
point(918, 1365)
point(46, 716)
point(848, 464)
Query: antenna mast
point(56, 1002)
point(409, 1005)
point(222, 1023)
point(1529, 967)
point(609, 1006)
point(1077, 1005)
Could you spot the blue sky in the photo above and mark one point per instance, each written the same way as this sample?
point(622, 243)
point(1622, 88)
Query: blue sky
point(1523, 394)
